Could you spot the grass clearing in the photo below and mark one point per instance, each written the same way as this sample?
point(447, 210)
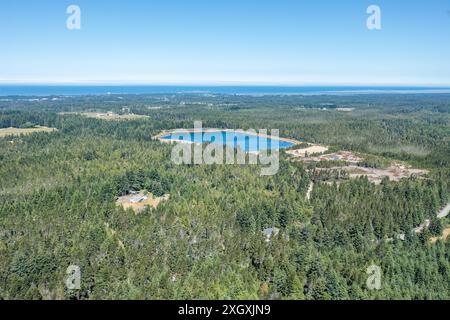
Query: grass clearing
point(5, 132)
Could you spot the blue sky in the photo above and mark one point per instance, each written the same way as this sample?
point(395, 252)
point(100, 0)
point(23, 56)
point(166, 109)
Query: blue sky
point(226, 41)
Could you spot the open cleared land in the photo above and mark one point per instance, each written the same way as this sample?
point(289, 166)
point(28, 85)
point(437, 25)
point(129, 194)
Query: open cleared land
point(345, 156)
point(376, 175)
point(23, 131)
point(306, 152)
point(138, 201)
point(394, 172)
point(444, 236)
point(109, 116)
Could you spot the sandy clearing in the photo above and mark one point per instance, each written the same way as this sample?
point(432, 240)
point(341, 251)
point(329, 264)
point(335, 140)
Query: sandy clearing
point(149, 201)
point(394, 173)
point(444, 236)
point(346, 156)
point(305, 152)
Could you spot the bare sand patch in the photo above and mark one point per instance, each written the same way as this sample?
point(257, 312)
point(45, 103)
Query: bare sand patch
point(24, 131)
point(346, 156)
point(316, 153)
point(306, 152)
point(444, 236)
point(138, 201)
point(395, 172)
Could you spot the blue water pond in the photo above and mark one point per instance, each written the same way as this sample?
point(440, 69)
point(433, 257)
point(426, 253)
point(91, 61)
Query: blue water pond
point(246, 141)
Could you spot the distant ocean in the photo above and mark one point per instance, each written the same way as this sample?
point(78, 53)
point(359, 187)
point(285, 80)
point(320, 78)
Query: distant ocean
point(76, 90)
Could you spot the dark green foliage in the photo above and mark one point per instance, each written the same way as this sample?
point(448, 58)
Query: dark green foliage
point(58, 192)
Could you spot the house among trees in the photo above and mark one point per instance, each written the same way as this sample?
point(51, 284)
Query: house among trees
point(271, 232)
point(138, 199)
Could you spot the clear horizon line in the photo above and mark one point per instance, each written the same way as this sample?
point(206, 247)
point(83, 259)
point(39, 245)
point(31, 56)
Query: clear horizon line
point(219, 83)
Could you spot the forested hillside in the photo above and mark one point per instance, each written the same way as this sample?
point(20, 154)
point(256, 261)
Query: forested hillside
point(58, 193)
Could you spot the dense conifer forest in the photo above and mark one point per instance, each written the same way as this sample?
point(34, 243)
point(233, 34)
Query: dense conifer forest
point(58, 194)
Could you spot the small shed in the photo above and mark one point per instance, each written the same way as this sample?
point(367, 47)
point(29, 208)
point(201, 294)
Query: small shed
point(138, 199)
point(271, 232)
